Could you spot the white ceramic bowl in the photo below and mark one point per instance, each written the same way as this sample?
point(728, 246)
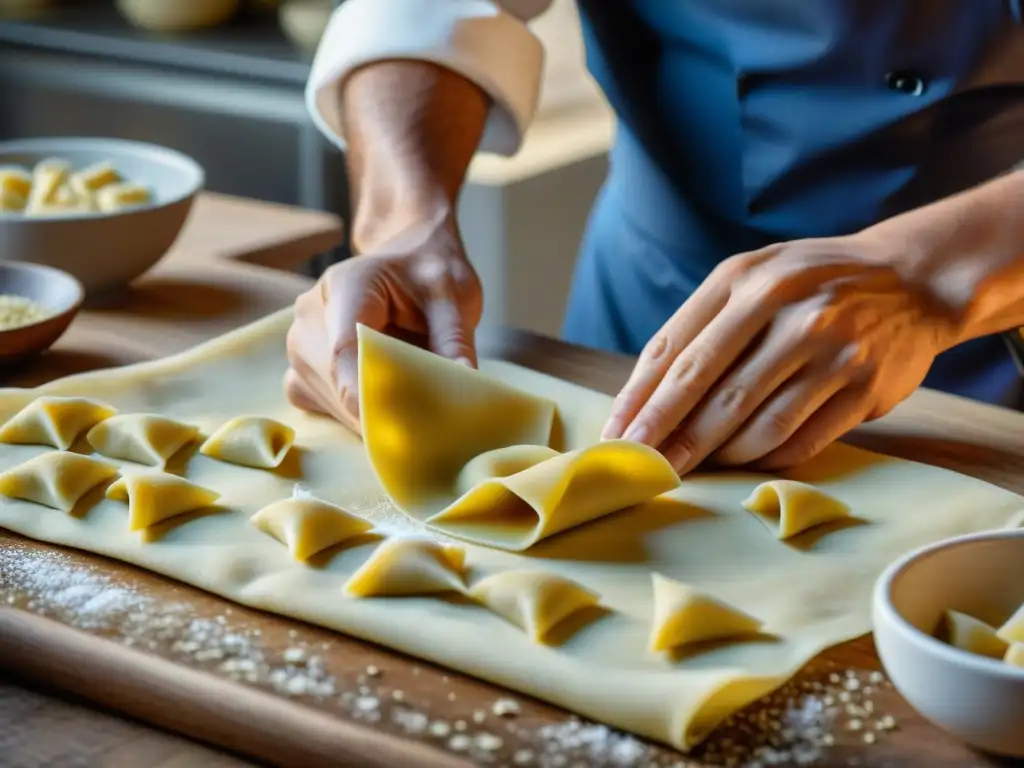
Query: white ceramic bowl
point(178, 15)
point(104, 251)
point(976, 699)
point(304, 22)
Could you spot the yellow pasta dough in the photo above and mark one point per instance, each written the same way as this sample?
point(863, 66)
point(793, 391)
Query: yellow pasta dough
point(795, 506)
point(143, 438)
point(973, 635)
point(684, 616)
point(561, 492)
point(15, 181)
point(251, 441)
point(447, 444)
point(1015, 655)
point(536, 601)
point(502, 462)
point(308, 526)
point(122, 195)
point(1013, 630)
point(424, 418)
point(96, 177)
point(1017, 521)
point(56, 479)
point(157, 496)
point(48, 179)
point(12, 202)
point(811, 598)
point(54, 421)
point(410, 565)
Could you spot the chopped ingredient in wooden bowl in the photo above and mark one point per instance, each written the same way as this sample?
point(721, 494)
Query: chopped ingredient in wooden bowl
point(18, 311)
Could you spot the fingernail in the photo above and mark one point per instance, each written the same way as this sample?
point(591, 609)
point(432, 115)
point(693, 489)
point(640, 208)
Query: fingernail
point(612, 429)
point(677, 456)
point(638, 433)
point(464, 361)
point(350, 400)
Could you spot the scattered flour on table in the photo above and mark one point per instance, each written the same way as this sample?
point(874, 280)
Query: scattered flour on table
point(51, 582)
point(800, 724)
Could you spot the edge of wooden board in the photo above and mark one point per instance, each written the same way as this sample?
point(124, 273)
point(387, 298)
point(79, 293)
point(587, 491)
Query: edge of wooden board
point(197, 705)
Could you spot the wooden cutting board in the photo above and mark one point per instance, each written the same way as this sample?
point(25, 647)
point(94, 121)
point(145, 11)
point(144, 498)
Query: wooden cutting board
point(294, 695)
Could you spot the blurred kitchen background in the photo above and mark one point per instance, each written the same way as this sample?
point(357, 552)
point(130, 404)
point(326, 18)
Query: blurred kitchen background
point(222, 80)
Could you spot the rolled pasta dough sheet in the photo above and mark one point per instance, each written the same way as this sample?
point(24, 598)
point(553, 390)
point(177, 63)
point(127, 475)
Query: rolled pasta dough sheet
point(811, 592)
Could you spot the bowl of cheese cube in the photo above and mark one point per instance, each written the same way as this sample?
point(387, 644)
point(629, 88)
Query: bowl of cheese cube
point(103, 210)
point(949, 628)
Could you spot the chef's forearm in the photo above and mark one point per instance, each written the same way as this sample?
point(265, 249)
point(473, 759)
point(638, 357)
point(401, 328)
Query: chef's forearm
point(412, 129)
point(969, 249)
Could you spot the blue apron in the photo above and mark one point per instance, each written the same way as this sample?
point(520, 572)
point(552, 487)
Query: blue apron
point(746, 123)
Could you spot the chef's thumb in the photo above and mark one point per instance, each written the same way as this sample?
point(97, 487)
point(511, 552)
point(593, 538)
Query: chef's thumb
point(449, 332)
point(346, 309)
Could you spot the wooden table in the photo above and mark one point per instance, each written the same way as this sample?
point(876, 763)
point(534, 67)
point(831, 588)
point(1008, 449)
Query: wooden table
point(216, 279)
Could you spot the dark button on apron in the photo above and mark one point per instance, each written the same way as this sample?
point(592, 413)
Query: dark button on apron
point(905, 81)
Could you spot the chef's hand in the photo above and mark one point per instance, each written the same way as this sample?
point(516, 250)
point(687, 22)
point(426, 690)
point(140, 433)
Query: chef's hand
point(416, 284)
point(780, 352)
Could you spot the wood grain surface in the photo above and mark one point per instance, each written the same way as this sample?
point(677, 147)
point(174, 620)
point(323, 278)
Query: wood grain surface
point(290, 694)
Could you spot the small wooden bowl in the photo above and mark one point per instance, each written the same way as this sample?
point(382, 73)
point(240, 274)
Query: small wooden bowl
point(52, 288)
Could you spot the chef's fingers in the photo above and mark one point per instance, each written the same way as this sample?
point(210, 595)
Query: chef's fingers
point(447, 285)
point(662, 350)
point(309, 383)
point(351, 298)
point(690, 377)
point(783, 418)
point(449, 330)
point(845, 411)
point(299, 395)
point(317, 396)
point(736, 398)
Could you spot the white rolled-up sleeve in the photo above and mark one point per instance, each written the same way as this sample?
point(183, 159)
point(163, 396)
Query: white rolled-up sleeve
point(486, 41)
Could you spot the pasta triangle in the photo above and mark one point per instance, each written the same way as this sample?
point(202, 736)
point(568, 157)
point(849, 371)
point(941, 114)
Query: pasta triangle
point(250, 441)
point(683, 616)
point(411, 565)
point(794, 506)
point(54, 421)
point(1013, 630)
point(536, 601)
point(157, 496)
point(308, 526)
point(1015, 655)
point(57, 479)
point(970, 634)
point(141, 437)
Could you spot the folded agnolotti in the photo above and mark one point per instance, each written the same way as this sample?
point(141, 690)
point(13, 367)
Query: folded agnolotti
point(308, 526)
point(410, 565)
point(973, 635)
point(558, 492)
point(535, 601)
point(424, 418)
point(157, 496)
point(143, 438)
point(56, 479)
point(502, 462)
point(1013, 630)
point(684, 616)
point(791, 507)
point(54, 421)
point(250, 441)
point(1015, 655)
